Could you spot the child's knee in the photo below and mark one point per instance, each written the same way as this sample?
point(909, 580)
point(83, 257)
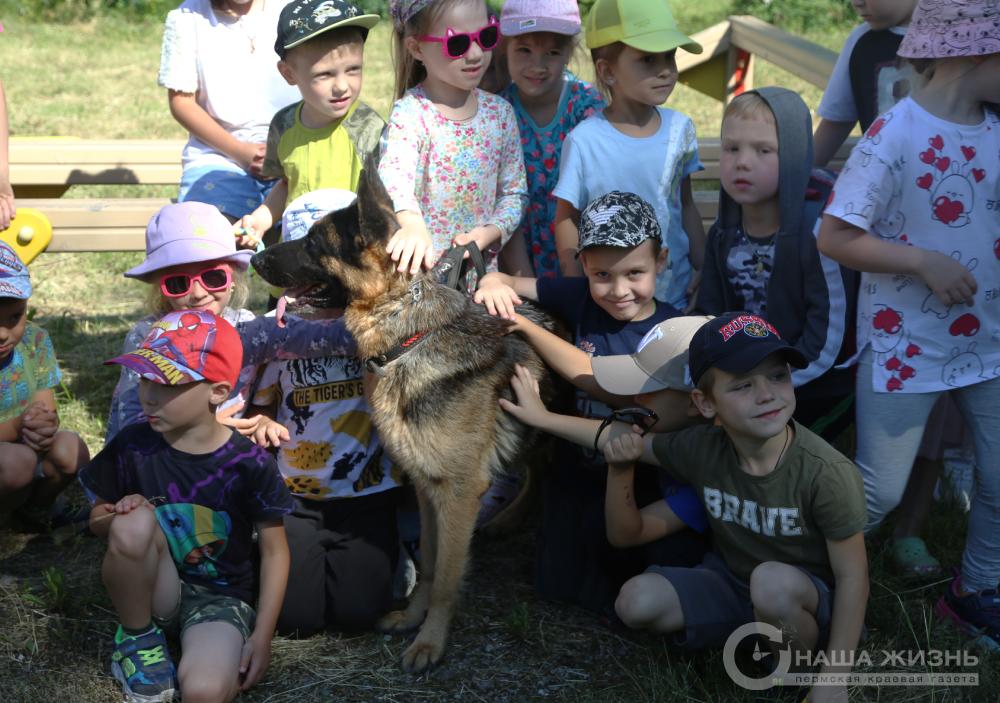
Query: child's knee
point(645, 599)
point(17, 466)
point(67, 454)
point(779, 590)
point(133, 534)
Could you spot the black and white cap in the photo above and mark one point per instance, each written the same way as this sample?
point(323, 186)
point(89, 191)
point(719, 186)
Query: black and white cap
point(617, 219)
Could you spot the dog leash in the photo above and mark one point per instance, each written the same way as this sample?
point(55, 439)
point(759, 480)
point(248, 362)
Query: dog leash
point(377, 364)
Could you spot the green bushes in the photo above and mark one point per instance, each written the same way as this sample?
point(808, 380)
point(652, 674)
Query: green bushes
point(798, 15)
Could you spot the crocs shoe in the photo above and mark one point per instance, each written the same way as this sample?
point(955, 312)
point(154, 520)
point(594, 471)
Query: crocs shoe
point(975, 614)
point(143, 666)
point(911, 558)
point(502, 493)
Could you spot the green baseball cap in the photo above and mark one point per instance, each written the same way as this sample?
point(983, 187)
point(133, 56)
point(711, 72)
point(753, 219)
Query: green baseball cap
point(646, 25)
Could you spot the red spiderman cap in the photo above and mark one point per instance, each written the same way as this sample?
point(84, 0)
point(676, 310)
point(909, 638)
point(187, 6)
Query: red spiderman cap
point(187, 346)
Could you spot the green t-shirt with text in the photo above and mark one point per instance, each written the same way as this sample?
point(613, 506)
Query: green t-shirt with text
point(814, 495)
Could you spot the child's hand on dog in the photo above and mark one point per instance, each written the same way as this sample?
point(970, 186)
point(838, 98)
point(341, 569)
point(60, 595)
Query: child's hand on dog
point(529, 407)
point(411, 245)
point(499, 298)
point(623, 449)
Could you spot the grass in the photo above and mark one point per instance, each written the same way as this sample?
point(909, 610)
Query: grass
point(97, 80)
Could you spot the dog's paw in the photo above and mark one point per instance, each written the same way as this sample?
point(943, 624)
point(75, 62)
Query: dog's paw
point(421, 656)
point(398, 622)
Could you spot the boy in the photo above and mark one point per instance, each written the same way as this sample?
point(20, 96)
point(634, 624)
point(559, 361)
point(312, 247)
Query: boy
point(342, 533)
point(786, 510)
point(609, 312)
point(868, 78)
point(178, 498)
point(761, 254)
point(32, 447)
point(322, 141)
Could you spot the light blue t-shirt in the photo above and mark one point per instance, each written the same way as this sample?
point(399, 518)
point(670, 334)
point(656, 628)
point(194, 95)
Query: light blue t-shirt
point(597, 159)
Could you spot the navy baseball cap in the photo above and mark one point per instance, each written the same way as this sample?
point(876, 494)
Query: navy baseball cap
point(736, 342)
point(301, 20)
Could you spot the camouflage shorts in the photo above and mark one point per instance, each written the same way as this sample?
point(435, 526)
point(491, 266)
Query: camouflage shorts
point(198, 604)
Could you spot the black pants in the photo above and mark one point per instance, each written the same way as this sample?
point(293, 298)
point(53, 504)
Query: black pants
point(343, 557)
point(576, 563)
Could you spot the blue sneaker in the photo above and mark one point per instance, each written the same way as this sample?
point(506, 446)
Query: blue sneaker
point(143, 666)
point(975, 614)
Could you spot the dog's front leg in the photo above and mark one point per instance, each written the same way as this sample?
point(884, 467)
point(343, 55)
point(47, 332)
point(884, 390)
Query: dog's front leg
point(400, 622)
point(455, 506)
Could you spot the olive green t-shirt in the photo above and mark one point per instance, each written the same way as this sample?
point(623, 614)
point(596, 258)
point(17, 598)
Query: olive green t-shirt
point(327, 157)
point(814, 495)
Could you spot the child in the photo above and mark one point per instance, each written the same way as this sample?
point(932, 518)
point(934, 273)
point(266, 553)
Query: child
point(928, 310)
point(192, 262)
point(7, 209)
point(761, 254)
point(212, 50)
point(342, 533)
point(178, 498)
point(549, 101)
point(323, 140)
point(635, 145)
point(609, 312)
point(32, 447)
point(786, 509)
point(868, 78)
point(452, 159)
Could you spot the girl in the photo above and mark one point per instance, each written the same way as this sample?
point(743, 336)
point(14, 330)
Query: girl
point(452, 159)
point(635, 145)
point(192, 263)
point(549, 101)
point(212, 50)
point(928, 312)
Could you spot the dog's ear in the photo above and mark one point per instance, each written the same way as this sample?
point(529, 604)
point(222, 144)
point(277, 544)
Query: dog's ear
point(375, 210)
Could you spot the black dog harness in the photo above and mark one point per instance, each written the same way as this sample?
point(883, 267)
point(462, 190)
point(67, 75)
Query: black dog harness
point(376, 364)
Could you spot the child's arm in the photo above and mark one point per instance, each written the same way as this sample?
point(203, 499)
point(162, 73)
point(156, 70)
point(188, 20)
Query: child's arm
point(7, 209)
point(274, 561)
point(849, 562)
point(695, 231)
point(567, 233)
point(950, 281)
point(191, 116)
point(500, 292)
point(829, 137)
point(626, 524)
point(530, 410)
point(258, 222)
point(103, 511)
point(40, 421)
point(10, 431)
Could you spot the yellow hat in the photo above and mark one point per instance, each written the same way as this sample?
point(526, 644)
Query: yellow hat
point(646, 25)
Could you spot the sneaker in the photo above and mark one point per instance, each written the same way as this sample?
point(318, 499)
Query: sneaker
point(975, 614)
point(143, 666)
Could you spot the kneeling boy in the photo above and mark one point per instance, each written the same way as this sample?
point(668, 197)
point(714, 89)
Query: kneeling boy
point(178, 498)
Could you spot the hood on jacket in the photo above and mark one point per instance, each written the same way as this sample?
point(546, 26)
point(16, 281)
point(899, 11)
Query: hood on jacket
point(795, 157)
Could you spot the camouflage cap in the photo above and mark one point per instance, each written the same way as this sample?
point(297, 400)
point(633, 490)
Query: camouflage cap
point(617, 219)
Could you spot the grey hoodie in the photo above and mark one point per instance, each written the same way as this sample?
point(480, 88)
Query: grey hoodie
point(810, 299)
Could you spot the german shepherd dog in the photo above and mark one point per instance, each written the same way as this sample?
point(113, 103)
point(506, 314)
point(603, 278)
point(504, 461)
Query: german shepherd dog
point(441, 363)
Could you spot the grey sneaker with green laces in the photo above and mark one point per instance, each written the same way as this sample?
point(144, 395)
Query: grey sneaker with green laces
point(142, 665)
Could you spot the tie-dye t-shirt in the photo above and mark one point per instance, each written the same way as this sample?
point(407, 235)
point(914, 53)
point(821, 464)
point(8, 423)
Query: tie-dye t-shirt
point(206, 504)
point(30, 367)
point(542, 147)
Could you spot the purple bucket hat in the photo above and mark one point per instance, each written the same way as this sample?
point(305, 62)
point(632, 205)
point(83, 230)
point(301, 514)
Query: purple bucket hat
point(188, 233)
point(947, 28)
point(526, 16)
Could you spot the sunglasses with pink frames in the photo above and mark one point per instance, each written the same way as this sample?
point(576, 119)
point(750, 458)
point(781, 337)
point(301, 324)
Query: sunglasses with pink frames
point(213, 280)
point(455, 45)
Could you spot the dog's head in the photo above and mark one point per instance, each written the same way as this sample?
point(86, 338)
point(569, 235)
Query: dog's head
point(343, 257)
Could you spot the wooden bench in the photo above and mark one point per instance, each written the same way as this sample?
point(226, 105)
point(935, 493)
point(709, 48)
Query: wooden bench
point(42, 170)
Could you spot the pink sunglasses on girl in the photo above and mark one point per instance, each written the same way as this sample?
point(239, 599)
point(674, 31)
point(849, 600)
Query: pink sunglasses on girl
point(455, 45)
point(213, 280)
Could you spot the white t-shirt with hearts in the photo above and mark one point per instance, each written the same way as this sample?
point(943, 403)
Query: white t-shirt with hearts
point(918, 180)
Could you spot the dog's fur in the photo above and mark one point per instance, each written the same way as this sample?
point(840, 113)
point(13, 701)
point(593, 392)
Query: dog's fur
point(435, 406)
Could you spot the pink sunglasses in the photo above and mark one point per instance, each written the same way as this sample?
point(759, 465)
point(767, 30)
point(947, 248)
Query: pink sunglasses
point(455, 45)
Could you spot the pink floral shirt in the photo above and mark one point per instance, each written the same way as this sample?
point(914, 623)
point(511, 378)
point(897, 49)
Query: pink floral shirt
point(458, 175)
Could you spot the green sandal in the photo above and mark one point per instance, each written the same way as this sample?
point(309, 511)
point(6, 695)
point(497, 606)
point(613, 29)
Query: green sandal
point(911, 558)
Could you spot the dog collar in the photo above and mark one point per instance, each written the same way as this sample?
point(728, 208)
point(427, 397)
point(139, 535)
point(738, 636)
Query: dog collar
point(376, 364)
